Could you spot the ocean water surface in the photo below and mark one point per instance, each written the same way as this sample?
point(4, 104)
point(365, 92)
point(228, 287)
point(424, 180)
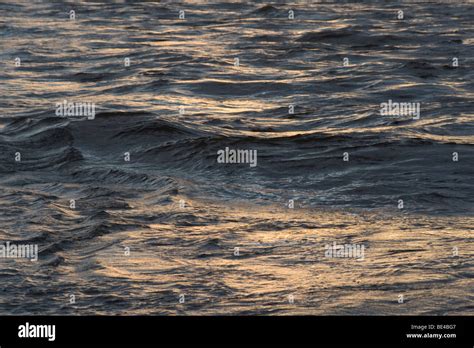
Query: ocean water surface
point(173, 232)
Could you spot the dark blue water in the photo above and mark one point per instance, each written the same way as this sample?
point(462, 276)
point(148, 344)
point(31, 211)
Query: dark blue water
point(156, 218)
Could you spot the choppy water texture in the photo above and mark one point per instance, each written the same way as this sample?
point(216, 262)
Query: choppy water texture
point(189, 63)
